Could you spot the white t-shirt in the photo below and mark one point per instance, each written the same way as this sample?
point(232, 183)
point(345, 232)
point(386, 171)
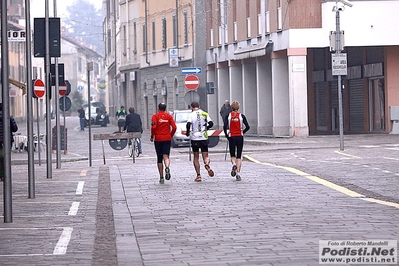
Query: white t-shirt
point(199, 120)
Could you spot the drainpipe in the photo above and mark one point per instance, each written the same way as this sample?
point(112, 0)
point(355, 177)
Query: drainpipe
point(127, 42)
point(177, 25)
point(193, 24)
point(146, 33)
point(117, 100)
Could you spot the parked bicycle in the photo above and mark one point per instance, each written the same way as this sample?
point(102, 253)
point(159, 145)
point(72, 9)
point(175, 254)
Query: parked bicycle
point(133, 147)
point(21, 142)
point(39, 145)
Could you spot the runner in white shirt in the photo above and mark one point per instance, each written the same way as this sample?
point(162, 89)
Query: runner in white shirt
point(198, 123)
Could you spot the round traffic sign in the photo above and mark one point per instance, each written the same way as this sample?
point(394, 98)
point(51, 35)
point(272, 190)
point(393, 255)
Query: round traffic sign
point(65, 103)
point(62, 89)
point(118, 144)
point(38, 88)
point(191, 96)
point(191, 82)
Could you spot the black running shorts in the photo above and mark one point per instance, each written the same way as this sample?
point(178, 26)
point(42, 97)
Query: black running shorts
point(161, 148)
point(200, 144)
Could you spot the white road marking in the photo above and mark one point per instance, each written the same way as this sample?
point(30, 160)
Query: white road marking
point(388, 158)
point(74, 208)
point(79, 189)
point(62, 244)
point(369, 146)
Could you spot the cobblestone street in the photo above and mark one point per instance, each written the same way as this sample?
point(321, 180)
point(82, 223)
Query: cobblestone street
point(293, 193)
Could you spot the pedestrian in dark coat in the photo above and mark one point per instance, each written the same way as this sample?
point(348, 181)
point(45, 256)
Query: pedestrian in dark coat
point(225, 110)
point(13, 128)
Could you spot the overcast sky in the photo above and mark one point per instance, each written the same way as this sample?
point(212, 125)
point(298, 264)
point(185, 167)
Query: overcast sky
point(38, 7)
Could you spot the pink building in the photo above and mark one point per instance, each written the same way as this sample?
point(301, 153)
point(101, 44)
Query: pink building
point(275, 58)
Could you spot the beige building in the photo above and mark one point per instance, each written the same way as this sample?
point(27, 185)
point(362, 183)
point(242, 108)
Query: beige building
point(147, 44)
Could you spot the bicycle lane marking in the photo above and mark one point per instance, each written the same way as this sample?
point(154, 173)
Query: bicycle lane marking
point(326, 183)
point(62, 244)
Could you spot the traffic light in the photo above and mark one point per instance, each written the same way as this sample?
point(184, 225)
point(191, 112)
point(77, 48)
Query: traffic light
point(39, 37)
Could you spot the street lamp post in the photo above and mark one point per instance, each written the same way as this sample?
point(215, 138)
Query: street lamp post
point(341, 65)
point(338, 51)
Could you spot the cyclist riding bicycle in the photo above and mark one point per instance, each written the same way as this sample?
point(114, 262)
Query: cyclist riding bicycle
point(133, 124)
point(121, 116)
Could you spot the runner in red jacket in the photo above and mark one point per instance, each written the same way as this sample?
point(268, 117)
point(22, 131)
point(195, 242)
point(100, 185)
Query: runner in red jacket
point(163, 127)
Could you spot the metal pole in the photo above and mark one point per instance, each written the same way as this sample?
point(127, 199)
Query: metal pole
point(48, 91)
point(338, 51)
point(38, 133)
point(89, 68)
point(29, 92)
point(56, 97)
point(63, 112)
point(215, 88)
point(6, 116)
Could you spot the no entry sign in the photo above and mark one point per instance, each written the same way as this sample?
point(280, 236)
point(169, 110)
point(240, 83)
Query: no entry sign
point(62, 89)
point(38, 88)
point(191, 82)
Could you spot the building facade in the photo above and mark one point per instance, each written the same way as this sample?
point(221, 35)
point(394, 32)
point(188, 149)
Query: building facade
point(74, 56)
point(275, 58)
point(147, 44)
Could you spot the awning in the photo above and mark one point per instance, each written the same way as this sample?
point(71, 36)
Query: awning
point(17, 83)
point(254, 50)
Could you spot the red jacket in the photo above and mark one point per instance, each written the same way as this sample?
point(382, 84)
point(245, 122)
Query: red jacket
point(163, 127)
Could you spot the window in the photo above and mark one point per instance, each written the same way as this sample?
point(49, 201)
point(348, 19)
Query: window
point(144, 38)
point(153, 36)
point(248, 14)
point(135, 38)
point(79, 64)
point(234, 10)
point(260, 18)
point(223, 22)
point(279, 16)
point(164, 40)
point(185, 27)
point(267, 17)
point(235, 29)
point(35, 72)
point(125, 40)
point(174, 22)
point(109, 44)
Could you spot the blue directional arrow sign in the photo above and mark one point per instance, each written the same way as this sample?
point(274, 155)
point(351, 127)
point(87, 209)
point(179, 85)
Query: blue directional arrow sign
point(191, 70)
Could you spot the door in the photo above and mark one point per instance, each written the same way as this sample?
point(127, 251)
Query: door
point(356, 106)
point(377, 104)
point(321, 106)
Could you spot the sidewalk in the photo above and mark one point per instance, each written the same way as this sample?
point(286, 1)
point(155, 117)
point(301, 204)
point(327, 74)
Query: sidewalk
point(323, 141)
